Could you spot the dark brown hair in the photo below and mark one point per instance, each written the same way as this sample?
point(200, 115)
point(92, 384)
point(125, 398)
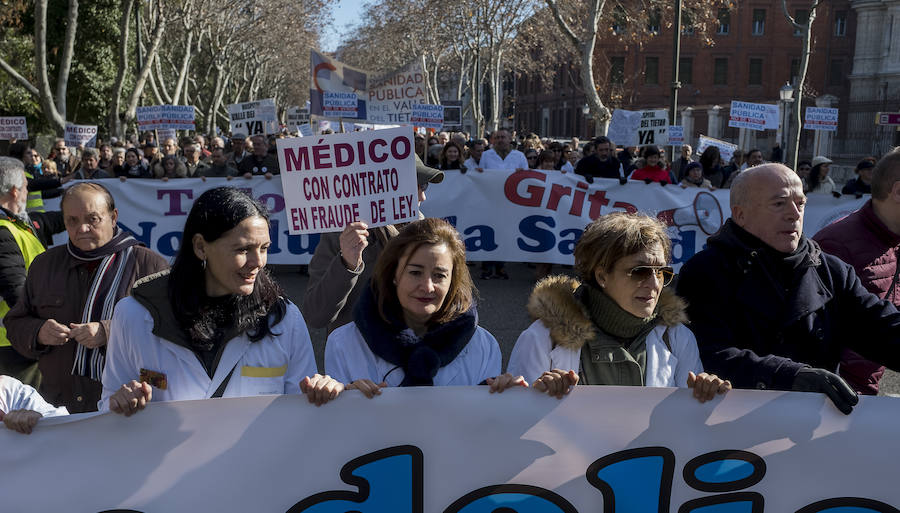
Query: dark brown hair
point(432, 231)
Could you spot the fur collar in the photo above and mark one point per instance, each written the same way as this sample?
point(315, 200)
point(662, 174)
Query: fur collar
point(553, 302)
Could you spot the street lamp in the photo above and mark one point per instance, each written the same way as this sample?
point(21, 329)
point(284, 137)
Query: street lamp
point(786, 96)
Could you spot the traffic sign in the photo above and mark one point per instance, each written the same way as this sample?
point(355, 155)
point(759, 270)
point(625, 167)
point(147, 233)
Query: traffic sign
point(888, 118)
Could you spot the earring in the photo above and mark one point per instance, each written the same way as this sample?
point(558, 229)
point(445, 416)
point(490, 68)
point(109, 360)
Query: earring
point(203, 264)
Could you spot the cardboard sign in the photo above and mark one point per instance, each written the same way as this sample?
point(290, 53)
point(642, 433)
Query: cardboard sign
point(169, 117)
point(654, 128)
point(340, 105)
point(305, 130)
point(297, 116)
point(13, 128)
point(167, 133)
point(254, 118)
point(428, 116)
point(755, 116)
point(81, 135)
point(726, 149)
point(821, 118)
point(676, 135)
point(334, 180)
point(623, 127)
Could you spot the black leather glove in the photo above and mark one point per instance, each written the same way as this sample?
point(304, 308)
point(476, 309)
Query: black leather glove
point(588, 178)
point(859, 195)
point(648, 181)
point(663, 183)
point(836, 194)
point(810, 379)
point(623, 180)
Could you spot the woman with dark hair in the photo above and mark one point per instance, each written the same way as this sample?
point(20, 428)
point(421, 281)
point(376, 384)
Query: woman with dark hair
point(216, 324)
point(818, 180)
point(452, 157)
point(416, 323)
point(711, 160)
point(532, 156)
point(134, 167)
point(652, 171)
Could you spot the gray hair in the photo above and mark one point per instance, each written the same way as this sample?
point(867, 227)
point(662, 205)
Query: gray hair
point(118, 150)
point(12, 174)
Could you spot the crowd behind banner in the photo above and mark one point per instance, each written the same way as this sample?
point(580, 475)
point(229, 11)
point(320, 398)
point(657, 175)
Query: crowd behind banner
point(187, 310)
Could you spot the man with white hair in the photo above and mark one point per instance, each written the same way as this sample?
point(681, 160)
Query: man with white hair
point(22, 238)
point(770, 309)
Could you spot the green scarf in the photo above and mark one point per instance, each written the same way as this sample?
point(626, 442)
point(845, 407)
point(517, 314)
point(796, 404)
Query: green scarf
point(618, 354)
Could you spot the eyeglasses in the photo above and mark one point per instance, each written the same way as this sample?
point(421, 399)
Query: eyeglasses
point(423, 186)
point(663, 273)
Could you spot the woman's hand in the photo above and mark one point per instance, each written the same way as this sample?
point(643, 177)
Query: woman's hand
point(368, 387)
point(556, 382)
point(504, 381)
point(706, 386)
point(131, 398)
point(320, 389)
point(22, 421)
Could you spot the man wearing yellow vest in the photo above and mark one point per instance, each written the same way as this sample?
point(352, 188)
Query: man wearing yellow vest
point(23, 236)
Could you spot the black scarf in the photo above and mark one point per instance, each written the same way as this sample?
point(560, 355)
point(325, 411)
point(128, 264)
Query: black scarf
point(420, 358)
point(111, 282)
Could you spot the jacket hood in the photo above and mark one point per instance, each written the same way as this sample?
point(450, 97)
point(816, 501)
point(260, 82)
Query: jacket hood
point(153, 293)
point(554, 303)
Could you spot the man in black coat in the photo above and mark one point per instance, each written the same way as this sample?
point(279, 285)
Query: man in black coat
point(601, 163)
point(769, 309)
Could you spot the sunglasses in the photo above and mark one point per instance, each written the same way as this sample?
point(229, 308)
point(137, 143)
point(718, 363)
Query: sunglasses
point(663, 273)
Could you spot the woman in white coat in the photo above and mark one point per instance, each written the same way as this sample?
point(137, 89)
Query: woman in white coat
point(618, 325)
point(216, 324)
point(416, 324)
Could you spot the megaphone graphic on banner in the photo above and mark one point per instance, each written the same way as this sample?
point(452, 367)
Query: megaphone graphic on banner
point(704, 212)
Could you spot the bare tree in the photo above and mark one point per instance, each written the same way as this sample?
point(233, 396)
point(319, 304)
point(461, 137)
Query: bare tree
point(806, 29)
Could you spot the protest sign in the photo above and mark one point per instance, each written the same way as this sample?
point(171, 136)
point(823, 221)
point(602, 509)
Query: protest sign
point(340, 105)
point(334, 180)
point(13, 127)
point(654, 128)
point(623, 127)
point(429, 116)
point(254, 118)
point(165, 134)
point(297, 116)
point(755, 116)
point(169, 117)
point(305, 130)
point(81, 135)
point(452, 114)
point(429, 449)
point(821, 118)
point(676, 135)
point(726, 149)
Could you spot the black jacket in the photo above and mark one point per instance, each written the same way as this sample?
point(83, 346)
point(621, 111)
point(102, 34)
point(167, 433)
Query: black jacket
point(760, 316)
point(12, 264)
point(592, 167)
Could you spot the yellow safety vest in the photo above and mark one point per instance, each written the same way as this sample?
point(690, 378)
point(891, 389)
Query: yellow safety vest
point(35, 202)
point(30, 247)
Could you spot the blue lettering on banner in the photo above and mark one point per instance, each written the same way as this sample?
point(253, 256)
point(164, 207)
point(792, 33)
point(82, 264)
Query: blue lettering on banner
point(543, 237)
point(485, 241)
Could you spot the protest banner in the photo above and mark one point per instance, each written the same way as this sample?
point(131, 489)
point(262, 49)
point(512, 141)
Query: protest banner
point(296, 117)
point(676, 135)
point(755, 116)
point(821, 118)
point(500, 215)
point(386, 99)
point(167, 117)
point(462, 450)
point(623, 127)
point(165, 134)
point(81, 135)
point(726, 149)
point(254, 118)
point(340, 105)
point(429, 116)
point(13, 128)
point(654, 128)
point(331, 181)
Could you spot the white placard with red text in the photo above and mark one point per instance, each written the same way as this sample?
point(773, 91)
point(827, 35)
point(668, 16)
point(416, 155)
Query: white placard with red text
point(81, 135)
point(333, 180)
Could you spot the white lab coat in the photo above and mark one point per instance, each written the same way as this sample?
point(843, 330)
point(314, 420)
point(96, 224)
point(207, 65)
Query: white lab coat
point(534, 353)
point(15, 395)
point(274, 365)
point(514, 160)
point(348, 358)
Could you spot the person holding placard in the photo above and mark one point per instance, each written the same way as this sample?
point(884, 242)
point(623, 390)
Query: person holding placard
point(216, 324)
point(416, 323)
point(617, 325)
point(260, 162)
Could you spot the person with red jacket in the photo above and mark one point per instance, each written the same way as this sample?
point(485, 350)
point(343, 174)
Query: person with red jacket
point(652, 171)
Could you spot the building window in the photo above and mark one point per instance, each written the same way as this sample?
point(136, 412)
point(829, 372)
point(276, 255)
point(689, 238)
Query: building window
point(755, 72)
point(651, 71)
point(720, 72)
point(840, 23)
point(686, 70)
point(653, 22)
point(801, 17)
point(724, 22)
point(620, 20)
point(759, 22)
point(617, 70)
point(836, 72)
point(795, 70)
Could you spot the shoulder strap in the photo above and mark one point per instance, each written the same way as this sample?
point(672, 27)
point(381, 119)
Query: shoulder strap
point(221, 390)
point(665, 337)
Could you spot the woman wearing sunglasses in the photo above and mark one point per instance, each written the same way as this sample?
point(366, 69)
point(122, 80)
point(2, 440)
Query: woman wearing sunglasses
point(618, 325)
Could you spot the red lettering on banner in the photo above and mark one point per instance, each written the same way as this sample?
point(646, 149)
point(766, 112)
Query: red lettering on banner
point(343, 155)
point(372, 155)
point(297, 161)
point(597, 200)
point(535, 192)
point(377, 208)
point(298, 219)
point(631, 209)
point(403, 207)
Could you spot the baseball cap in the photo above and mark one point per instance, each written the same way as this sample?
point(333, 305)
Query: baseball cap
point(820, 160)
point(425, 174)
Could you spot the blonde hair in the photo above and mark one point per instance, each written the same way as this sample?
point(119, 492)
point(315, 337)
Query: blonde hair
point(614, 236)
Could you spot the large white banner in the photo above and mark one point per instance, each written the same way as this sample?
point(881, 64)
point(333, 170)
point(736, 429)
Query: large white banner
point(13, 127)
point(332, 181)
point(461, 449)
point(755, 116)
point(254, 118)
point(527, 216)
point(726, 149)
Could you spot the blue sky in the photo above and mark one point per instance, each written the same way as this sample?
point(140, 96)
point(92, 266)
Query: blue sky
point(346, 12)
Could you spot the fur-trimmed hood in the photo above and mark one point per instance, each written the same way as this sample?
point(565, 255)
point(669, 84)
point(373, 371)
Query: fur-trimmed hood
point(554, 303)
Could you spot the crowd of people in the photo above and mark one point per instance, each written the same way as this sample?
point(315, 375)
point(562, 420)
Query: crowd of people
point(104, 322)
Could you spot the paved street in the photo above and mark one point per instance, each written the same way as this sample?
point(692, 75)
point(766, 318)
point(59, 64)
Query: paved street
point(501, 309)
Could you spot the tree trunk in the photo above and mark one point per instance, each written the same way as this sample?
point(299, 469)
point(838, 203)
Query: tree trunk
point(151, 56)
point(793, 148)
point(116, 127)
